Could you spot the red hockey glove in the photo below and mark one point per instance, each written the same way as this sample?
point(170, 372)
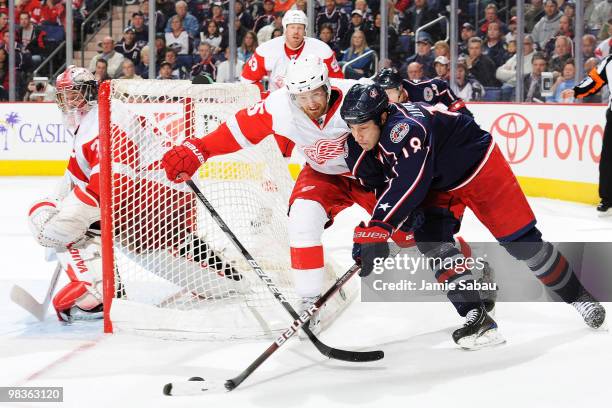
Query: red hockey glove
point(369, 243)
point(181, 162)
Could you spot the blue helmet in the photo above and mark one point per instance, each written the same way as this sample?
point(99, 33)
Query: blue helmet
point(363, 103)
point(388, 78)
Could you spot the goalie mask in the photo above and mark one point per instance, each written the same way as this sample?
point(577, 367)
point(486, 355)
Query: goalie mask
point(76, 92)
point(307, 82)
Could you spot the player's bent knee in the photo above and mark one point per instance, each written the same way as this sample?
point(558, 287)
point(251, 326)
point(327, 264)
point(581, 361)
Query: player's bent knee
point(526, 246)
point(307, 220)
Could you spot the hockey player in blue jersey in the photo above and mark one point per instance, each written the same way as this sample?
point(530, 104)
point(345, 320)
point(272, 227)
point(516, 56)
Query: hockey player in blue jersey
point(431, 91)
point(419, 159)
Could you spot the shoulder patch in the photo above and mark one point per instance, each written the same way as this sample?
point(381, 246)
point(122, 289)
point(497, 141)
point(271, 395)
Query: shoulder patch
point(399, 132)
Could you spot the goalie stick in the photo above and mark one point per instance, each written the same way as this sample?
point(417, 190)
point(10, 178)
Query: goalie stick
point(337, 354)
point(23, 298)
point(197, 385)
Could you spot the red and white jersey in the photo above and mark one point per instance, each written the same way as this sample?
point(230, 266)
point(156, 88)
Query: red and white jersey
point(84, 164)
point(321, 143)
point(272, 58)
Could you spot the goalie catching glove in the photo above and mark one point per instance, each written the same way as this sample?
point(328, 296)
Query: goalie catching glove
point(181, 162)
point(369, 243)
point(62, 224)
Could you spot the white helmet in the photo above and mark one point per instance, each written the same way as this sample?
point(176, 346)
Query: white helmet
point(76, 79)
point(306, 74)
point(295, 17)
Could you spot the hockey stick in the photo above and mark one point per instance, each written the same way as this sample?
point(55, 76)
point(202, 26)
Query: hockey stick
point(344, 355)
point(196, 386)
point(24, 299)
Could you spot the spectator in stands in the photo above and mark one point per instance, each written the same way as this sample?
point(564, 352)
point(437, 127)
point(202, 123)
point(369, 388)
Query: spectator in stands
point(532, 86)
point(357, 23)
point(141, 31)
point(266, 18)
point(128, 70)
point(414, 72)
point(206, 65)
point(363, 67)
point(160, 48)
point(480, 66)
point(212, 36)
point(53, 12)
point(468, 89)
point(3, 23)
point(467, 31)
point(113, 58)
point(507, 72)
point(142, 68)
point(441, 49)
point(277, 32)
point(245, 18)
point(177, 70)
point(4, 77)
point(491, 17)
point(362, 5)
point(601, 15)
point(494, 46)
point(128, 47)
point(223, 70)
point(160, 18)
point(166, 71)
point(373, 37)
point(31, 38)
point(265, 33)
point(326, 34)
point(511, 34)
point(240, 33)
point(247, 48)
point(101, 71)
point(603, 49)
point(418, 15)
point(589, 43)
point(302, 5)
point(548, 25)
point(569, 9)
point(563, 82)
point(589, 9)
point(190, 23)
point(216, 14)
point(39, 92)
point(442, 67)
point(178, 39)
point(33, 8)
point(562, 53)
point(533, 13)
point(424, 55)
point(335, 17)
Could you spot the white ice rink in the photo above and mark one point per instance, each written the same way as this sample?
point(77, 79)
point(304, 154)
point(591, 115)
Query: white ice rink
point(551, 359)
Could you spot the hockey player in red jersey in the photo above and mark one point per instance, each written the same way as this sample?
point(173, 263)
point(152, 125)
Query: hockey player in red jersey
point(272, 57)
point(421, 159)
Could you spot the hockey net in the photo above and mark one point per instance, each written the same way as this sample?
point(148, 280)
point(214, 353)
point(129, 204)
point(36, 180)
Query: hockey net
point(169, 270)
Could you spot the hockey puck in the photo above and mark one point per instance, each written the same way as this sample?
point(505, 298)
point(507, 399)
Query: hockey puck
point(196, 379)
point(168, 389)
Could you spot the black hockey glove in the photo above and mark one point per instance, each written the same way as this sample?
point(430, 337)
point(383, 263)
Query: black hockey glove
point(369, 243)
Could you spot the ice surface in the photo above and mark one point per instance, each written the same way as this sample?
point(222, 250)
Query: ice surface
point(550, 359)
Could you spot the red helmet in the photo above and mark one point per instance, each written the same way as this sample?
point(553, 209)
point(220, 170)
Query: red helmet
point(76, 90)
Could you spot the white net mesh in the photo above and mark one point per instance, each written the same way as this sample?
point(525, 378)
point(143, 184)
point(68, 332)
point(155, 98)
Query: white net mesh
point(176, 273)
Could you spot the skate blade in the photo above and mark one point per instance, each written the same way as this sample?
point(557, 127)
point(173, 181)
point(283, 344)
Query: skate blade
point(489, 338)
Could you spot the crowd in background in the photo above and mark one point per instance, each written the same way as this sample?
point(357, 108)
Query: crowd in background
point(192, 41)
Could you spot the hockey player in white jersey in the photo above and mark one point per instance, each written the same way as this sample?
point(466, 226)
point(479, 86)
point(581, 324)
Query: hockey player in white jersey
point(305, 111)
point(273, 57)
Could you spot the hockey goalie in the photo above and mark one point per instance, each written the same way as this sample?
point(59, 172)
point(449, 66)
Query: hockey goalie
point(68, 220)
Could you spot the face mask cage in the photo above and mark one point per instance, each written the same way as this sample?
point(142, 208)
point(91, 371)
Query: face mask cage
point(78, 98)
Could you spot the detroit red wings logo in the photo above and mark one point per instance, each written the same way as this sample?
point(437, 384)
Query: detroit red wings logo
point(326, 149)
